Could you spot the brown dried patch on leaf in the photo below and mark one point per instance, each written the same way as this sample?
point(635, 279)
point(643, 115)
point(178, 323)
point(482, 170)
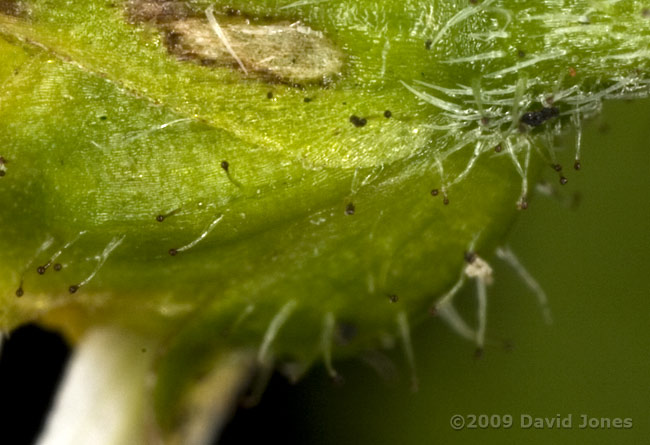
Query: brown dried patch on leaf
point(157, 11)
point(279, 50)
point(15, 8)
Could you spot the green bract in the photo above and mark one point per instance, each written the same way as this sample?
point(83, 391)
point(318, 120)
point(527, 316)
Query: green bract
point(298, 179)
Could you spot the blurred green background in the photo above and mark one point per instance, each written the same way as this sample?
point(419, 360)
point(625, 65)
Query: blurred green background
point(592, 260)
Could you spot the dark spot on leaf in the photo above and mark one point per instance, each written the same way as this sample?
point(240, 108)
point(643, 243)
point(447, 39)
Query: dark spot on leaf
point(563, 180)
point(346, 332)
point(269, 95)
point(387, 114)
point(20, 292)
point(58, 267)
point(427, 44)
point(445, 201)
point(307, 100)
point(577, 165)
point(521, 53)
point(160, 218)
point(393, 298)
point(225, 165)
point(40, 270)
point(557, 167)
point(498, 148)
point(2, 173)
point(434, 192)
point(350, 209)
point(358, 121)
point(537, 118)
point(15, 8)
point(102, 118)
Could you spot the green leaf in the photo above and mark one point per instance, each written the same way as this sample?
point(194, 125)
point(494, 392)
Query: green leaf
point(298, 180)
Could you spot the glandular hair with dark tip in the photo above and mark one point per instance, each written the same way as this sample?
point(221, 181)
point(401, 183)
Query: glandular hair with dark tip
point(58, 267)
point(537, 118)
point(387, 114)
point(225, 165)
point(470, 257)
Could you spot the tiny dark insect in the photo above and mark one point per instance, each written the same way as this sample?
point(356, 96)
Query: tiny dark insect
point(358, 121)
point(434, 192)
point(350, 209)
point(537, 118)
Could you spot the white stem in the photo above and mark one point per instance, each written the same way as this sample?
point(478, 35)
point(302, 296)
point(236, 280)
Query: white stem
point(101, 400)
